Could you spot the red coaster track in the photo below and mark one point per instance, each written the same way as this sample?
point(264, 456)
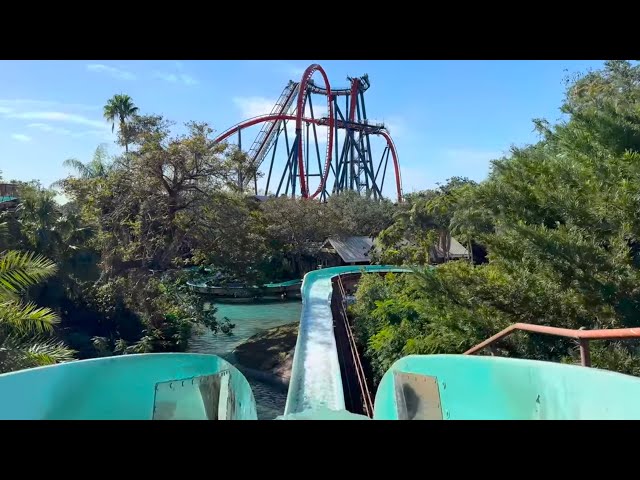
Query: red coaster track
point(352, 166)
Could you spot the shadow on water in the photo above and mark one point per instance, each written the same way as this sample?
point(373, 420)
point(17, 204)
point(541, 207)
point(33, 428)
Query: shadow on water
point(250, 317)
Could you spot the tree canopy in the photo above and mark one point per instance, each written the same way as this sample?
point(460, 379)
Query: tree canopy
point(558, 222)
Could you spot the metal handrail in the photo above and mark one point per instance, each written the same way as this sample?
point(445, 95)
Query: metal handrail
point(583, 337)
point(362, 381)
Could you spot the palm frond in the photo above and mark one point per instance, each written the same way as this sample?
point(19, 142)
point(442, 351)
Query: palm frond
point(18, 352)
point(120, 346)
point(21, 270)
point(25, 318)
point(144, 345)
point(101, 154)
point(110, 113)
point(101, 344)
point(78, 166)
point(58, 183)
point(119, 106)
point(48, 351)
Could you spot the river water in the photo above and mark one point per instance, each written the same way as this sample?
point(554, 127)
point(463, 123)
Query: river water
point(250, 317)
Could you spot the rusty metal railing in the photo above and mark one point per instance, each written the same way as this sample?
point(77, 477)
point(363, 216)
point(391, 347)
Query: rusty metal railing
point(365, 394)
point(583, 337)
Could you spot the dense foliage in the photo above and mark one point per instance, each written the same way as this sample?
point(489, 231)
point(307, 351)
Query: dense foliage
point(558, 221)
point(108, 266)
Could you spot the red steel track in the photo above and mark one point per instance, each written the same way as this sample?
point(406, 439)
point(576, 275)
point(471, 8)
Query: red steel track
point(330, 122)
point(302, 92)
point(270, 118)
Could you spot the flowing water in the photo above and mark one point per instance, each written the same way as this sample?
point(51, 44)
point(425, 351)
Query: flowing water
point(250, 317)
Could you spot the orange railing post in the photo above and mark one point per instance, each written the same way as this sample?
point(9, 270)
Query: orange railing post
point(583, 337)
point(585, 354)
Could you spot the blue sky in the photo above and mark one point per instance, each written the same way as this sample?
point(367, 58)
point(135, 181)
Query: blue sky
point(446, 117)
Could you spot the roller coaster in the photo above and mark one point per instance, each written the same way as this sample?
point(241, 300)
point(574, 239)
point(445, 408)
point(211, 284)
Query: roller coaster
point(295, 164)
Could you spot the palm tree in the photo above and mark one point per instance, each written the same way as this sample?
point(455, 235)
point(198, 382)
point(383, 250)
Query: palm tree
point(97, 167)
point(24, 326)
point(120, 107)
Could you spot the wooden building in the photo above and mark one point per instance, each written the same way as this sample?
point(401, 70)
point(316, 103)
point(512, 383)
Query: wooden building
point(456, 252)
point(335, 252)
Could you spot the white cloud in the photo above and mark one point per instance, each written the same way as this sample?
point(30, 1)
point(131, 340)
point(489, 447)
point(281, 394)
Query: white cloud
point(58, 121)
point(188, 79)
point(8, 105)
point(254, 106)
point(104, 134)
point(118, 73)
point(45, 127)
point(183, 78)
point(21, 137)
point(396, 126)
point(291, 68)
point(167, 77)
point(50, 129)
point(60, 117)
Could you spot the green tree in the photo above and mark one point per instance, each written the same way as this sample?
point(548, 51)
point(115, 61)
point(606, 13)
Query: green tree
point(241, 171)
point(229, 232)
point(559, 222)
point(296, 228)
point(425, 221)
point(168, 205)
point(142, 210)
point(120, 108)
point(97, 167)
point(359, 214)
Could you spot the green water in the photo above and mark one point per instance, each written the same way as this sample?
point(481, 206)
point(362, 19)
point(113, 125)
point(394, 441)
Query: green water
point(250, 317)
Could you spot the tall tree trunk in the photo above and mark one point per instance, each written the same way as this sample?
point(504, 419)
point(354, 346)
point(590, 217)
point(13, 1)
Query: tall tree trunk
point(123, 132)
